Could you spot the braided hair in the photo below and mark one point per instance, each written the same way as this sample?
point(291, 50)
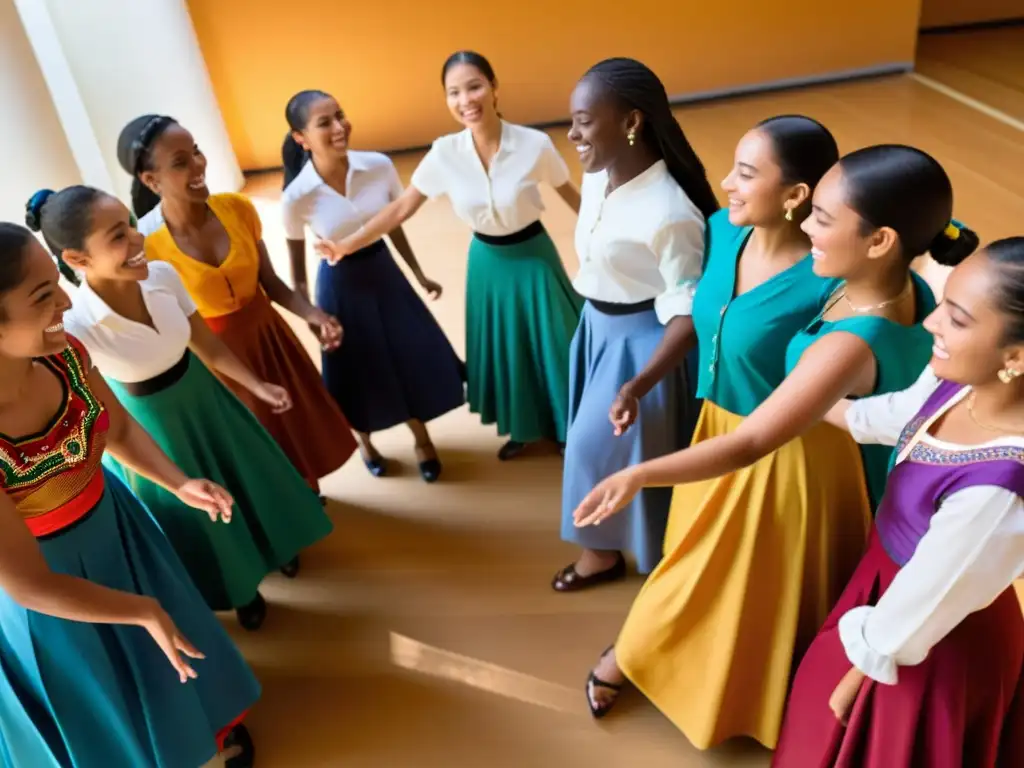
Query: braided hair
point(134, 147)
point(635, 86)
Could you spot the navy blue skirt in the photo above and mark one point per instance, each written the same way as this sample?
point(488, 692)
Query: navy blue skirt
point(394, 363)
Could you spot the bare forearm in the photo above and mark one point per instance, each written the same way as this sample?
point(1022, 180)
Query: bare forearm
point(286, 297)
point(219, 358)
point(133, 447)
point(388, 220)
point(75, 599)
point(401, 243)
point(678, 339)
point(702, 461)
point(297, 260)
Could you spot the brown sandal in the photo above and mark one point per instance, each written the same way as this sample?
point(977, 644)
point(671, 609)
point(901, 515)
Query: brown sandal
point(593, 682)
point(567, 580)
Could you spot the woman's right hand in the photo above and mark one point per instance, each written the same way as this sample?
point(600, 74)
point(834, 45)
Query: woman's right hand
point(624, 411)
point(174, 644)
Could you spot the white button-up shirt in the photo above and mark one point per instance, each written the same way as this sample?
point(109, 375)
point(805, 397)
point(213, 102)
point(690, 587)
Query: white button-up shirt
point(503, 199)
point(371, 184)
point(643, 241)
point(123, 349)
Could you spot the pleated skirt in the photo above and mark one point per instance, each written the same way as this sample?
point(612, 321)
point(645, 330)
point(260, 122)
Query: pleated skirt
point(84, 695)
point(209, 433)
point(607, 351)
point(753, 563)
point(314, 434)
point(395, 363)
point(962, 707)
point(521, 313)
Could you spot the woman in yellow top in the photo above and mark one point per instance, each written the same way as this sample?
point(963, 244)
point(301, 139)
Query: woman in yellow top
point(215, 244)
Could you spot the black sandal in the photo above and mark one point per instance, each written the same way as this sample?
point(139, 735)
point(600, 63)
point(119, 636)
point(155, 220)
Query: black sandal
point(593, 682)
point(567, 580)
point(239, 737)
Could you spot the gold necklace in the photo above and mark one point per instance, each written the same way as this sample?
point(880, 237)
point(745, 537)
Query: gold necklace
point(881, 304)
point(983, 425)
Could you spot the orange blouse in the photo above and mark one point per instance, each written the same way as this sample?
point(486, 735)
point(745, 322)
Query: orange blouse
point(227, 288)
point(54, 477)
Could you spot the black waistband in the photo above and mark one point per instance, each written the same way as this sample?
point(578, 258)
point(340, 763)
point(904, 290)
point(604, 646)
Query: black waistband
point(609, 308)
point(515, 238)
point(373, 249)
point(161, 381)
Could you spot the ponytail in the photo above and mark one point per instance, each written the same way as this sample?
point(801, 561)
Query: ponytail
point(637, 88)
point(133, 150)
point(293, 158)
point(64, 219)
point(144, 199)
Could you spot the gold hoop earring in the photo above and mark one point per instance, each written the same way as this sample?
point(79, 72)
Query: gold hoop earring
point(631, 137)
point(1006, 375)
point(789, 214)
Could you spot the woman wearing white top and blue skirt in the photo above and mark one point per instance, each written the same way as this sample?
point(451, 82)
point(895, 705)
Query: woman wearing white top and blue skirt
point(140, 328)
point(394, 365)
point(521, 310)
point(640, 241)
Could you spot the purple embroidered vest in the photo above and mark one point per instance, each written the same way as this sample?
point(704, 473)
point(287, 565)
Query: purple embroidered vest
point(917, 485)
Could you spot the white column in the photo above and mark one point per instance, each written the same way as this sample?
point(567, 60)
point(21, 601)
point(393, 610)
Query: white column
point(126, 58)
point(36, 151)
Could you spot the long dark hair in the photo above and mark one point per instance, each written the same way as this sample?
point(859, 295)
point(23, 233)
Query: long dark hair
point(907, 190)
point(64, 219)
point(296, 112)
point(635, 86)
point(133, 154)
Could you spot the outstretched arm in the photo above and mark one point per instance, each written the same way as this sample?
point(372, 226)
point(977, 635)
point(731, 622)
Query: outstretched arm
point(388, 220)
point(838, 365)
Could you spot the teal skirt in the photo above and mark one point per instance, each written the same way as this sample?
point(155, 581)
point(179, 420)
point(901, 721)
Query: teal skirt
point(521, 313)
point(210, 434)
point(80, 695)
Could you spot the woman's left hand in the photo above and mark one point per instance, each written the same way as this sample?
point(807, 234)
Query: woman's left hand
point(207, 496)
point(610, 495)
point(327, 329)
point(432, 289)
point(845, 694)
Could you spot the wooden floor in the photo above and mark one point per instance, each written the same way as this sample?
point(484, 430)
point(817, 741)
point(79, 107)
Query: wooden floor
point(423, 633)
point(987, 65)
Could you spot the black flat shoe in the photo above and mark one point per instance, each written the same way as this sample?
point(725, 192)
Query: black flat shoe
point(246, 757)
point(252, 615)
point(377, 467)
point(291, 568)
point(430, 470)
point(510, 450)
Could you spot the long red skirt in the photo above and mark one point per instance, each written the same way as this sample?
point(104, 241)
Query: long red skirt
point(963, 707)
point(314, 433)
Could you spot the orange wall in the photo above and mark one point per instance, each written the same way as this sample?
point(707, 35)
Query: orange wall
point(941, 13)
point(382, 59)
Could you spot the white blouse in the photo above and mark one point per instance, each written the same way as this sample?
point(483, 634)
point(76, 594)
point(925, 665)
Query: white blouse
point(973, 549)
point(500, 200)
point(371, 184)
point(643, 241)
point(124, 350)
point(151, 222)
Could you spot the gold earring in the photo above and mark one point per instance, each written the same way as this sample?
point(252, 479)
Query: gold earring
point(789, 214)
point(632, 138)
point(1006, 375)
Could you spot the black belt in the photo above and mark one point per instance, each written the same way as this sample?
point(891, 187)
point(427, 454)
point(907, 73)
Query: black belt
point(610, 308)
point(515, 238)
point(161, 381)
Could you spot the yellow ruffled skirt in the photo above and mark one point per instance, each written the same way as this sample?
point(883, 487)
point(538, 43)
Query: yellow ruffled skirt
point(753, 562)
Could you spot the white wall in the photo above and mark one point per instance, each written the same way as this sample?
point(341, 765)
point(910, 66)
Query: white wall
point(35, 149)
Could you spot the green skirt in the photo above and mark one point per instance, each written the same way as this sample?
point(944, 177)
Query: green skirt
point(521, 313)
point(209, 433)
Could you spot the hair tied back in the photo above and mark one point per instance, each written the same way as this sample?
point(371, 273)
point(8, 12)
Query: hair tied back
point(955, 243)
point(34, 209)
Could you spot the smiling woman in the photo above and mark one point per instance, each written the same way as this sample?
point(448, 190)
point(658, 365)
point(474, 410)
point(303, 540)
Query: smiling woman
point(521, 311)
point(215, 245)
point(83, 566)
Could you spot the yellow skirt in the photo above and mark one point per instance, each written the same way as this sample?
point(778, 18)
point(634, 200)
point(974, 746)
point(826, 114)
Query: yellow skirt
point(753, 562)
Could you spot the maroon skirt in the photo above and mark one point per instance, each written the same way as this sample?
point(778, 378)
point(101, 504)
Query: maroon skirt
point(962, 707)
point(314, 434)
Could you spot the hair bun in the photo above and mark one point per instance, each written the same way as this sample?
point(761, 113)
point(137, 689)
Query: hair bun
point(954, 244)
point(34, 209)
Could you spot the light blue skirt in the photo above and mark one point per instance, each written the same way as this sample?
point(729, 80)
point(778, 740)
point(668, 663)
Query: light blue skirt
point(78, 695)
point(607, 351)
